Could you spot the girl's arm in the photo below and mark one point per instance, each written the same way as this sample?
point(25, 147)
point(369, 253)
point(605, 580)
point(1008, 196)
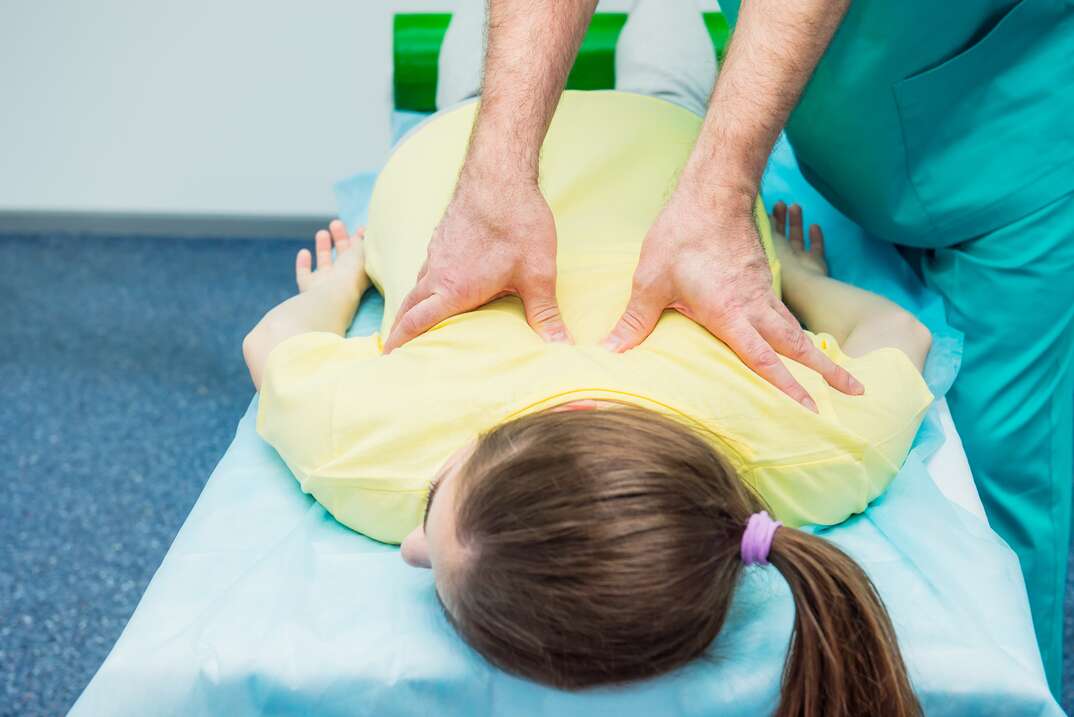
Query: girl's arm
point(859, 320)
point(327, 298)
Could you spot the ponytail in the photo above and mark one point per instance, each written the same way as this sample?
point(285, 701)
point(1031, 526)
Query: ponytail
point(605, 547)
point(844, 659)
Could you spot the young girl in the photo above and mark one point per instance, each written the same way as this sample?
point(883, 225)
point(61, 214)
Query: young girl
point(587, 514)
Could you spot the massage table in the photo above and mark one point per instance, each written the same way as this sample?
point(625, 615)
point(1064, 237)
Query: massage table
point(265, 605)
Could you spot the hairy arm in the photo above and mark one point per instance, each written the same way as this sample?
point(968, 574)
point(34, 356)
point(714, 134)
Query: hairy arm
point(776, 46)
point(702, 256)
point(531, 48)
point(497, 235)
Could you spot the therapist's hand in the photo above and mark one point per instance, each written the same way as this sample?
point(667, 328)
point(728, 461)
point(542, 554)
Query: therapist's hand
point(708, 264)
point(497, 237)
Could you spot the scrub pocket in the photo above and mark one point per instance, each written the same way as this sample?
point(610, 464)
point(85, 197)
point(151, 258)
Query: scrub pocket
point(988, 133)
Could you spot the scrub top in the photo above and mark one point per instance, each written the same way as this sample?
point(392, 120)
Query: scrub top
point(365, 433)
point(947, 126)
point(930, 123)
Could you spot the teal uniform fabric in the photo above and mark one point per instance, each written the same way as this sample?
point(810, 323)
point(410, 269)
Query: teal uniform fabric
point(950, 127)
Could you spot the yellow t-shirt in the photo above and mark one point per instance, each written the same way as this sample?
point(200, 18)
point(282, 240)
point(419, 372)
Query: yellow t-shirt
point(365, 433)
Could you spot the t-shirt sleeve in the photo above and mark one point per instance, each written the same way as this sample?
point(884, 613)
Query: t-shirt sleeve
point(854, 447)
point(889, 413)
point(298, 388)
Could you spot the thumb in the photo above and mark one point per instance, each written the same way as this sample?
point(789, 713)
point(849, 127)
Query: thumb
point(543, 315)
point(637, 322)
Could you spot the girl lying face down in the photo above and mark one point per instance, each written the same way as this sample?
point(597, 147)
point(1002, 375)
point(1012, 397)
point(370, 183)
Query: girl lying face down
point(597, 547)
point(587, 515)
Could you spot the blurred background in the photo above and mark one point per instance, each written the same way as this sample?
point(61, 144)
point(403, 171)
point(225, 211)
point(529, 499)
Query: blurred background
point(192, 110)
point(214, 109)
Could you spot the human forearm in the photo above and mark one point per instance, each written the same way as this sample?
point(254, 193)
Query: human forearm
point(324, 308)
point(859, 320)
point(329, 306)
point(531, 48)
point(830, 306)
point(702, 256)
point(498, 234)
point(775, 48)
point(327, 298)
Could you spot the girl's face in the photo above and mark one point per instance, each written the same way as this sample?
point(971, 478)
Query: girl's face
point(432, 544)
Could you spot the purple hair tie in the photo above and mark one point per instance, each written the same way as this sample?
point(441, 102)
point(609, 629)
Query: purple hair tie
point(757, 538)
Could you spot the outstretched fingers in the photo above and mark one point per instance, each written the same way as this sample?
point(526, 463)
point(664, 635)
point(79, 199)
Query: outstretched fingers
point(756, 352)
point(303, 268)
point(783, 333)
point(340, 239)
point(779, 218)
point(322, 244)
point(816, 242)
point(794, 230)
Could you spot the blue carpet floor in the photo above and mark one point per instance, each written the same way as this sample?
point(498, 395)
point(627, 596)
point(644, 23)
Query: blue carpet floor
point(122, 382)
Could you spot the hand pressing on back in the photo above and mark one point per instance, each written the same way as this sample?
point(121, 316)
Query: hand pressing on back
point(496, 238)
point(709, 265)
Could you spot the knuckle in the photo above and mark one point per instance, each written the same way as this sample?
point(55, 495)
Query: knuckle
point(632, 321)
point(839, 373)
point(797, 343)
point(720, 317)
point(767, 360)
point(544, 314)
point(447, 282)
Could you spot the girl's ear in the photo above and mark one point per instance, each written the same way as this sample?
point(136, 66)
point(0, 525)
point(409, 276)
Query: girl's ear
point(415, 549)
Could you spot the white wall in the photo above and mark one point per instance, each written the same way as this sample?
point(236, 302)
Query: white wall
point(233, 107)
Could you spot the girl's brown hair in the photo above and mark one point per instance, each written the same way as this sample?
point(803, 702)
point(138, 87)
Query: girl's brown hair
point(602, 547)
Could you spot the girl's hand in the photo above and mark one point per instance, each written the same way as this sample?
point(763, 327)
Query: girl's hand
point(327, 298)
point(346, 270)
point(788, 238)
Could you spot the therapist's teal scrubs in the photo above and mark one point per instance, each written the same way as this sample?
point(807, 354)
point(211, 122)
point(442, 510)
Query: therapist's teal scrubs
point(950, 126)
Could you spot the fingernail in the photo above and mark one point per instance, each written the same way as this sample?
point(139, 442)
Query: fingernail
point(810, 404)
point(856, 386)
point(557, 336)
point(612, 344)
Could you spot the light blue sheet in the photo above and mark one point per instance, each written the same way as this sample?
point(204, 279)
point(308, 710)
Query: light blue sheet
point(265, 605)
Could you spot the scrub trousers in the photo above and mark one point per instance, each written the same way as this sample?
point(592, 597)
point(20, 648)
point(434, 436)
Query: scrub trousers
point(1011, 292)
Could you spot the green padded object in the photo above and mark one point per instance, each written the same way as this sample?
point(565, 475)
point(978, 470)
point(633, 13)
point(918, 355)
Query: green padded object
point(416, 39)
point(416, 48)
